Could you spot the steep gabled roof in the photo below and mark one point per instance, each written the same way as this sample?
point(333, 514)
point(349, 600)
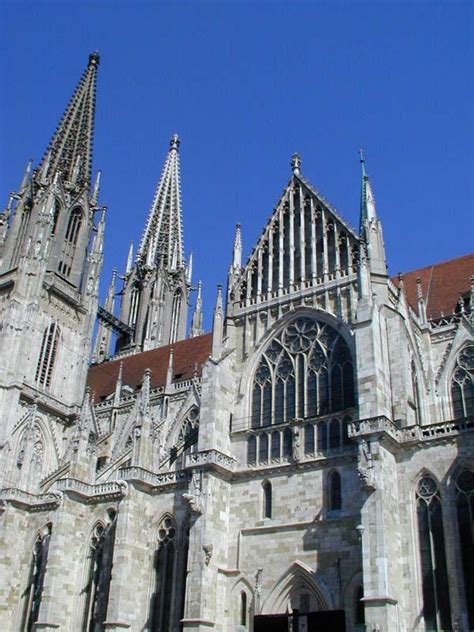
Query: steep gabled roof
point(442, 284)
point(189, 357)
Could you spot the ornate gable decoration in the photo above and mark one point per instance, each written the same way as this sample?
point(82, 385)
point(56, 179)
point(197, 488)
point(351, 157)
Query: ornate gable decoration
point(304, 244)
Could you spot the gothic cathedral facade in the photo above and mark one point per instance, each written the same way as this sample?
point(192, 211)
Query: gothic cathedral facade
point(306, 465)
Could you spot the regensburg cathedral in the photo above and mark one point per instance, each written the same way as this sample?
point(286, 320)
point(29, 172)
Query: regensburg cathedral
point(307, 465)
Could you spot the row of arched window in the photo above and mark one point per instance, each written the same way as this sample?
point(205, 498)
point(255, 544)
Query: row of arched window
point(170, 570)
point(323, 437)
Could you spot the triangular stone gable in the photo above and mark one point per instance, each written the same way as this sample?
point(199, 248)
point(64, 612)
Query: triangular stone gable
point(304, 243)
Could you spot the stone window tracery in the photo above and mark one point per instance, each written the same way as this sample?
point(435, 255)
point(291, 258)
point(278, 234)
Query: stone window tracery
point(436, 606)
point(462, 385)
point(306, 371)
point(464, 487)
point(188, 437)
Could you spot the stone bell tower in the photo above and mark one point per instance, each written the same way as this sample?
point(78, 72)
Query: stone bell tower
point(51, 244)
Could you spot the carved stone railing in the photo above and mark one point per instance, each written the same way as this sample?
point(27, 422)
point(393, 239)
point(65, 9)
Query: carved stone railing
point(410, 434)
point(151, 481)
point(445, 429)
point(211, 457)
point(45, 399)
point(380, 424)
point(84, 492)
point(31, 502)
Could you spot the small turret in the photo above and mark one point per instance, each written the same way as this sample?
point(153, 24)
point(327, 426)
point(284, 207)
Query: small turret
point(218, 326)
point(196, 323)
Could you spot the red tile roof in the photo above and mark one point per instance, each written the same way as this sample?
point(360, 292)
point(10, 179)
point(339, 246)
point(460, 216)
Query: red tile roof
point(442, 284)
point(189, 356)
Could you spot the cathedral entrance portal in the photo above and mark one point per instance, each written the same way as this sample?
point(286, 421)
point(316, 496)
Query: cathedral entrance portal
point(333, 620)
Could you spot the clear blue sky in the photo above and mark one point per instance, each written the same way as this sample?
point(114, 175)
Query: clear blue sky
point(246, 84)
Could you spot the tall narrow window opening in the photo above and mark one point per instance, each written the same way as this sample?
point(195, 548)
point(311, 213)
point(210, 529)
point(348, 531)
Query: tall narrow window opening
point(175, 314)
point(34, 591)
point(267, 499)
point(465, 513)
point(243, 608)
point(48, 353)
point(160, 615)
point(436, 606)
point(100, 571)
point(335, 492)
point(70, 242)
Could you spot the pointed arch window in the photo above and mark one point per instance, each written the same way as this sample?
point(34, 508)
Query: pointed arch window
point(55, 215)
point(188, 437)
point(100, 561)
point(465, 513)
point(243, 608)
point(34, 589)
point(160, 612)
point(306, 371)
point(436, 606)
point(48, 354)
point(267, 499)
point(24, 221)
point(462, 385)
point(135, 296)
point(70, 242)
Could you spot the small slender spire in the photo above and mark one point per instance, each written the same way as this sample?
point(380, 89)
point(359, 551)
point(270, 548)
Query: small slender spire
point(74, 134)
point(118, 385)
point(129, 264)
point(110, 300)
point(367, 200)
point(196, 322)
point(218, 326)
point(26, 178)
point(96, 190)
point(421, 302)
point(296, 164)
point(237, 250)
point(162, 239)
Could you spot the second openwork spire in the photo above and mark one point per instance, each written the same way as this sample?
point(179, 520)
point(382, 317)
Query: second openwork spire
point(162, 240)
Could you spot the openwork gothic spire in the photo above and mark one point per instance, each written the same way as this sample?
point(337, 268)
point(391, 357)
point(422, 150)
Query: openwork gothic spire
point(70, 149)
point(162, 240)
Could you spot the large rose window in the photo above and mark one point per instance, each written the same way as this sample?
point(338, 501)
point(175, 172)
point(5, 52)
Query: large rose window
point(306, 371)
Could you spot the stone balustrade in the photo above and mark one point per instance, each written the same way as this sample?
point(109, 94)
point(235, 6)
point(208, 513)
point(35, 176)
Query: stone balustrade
point(31, 502)
point(85, 492)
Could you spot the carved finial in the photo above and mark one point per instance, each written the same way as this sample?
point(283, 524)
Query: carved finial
point(175, 142)
point(94, 59)
point(461, 305)
point(419, 289)
point(296, 164)
point(237, 251)
point(128, 267)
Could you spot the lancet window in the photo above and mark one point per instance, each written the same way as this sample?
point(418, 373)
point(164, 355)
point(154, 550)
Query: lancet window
point(175, 314)
point(462, 385)
point(267, 499)
point(306, 371)
point(168, 600)
point(48, 354)
point(188, 437)
point(70, 242)
point(34, 590)
point(465, 513)
point(135, 295)
point(100, 560)
point(436, 605)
